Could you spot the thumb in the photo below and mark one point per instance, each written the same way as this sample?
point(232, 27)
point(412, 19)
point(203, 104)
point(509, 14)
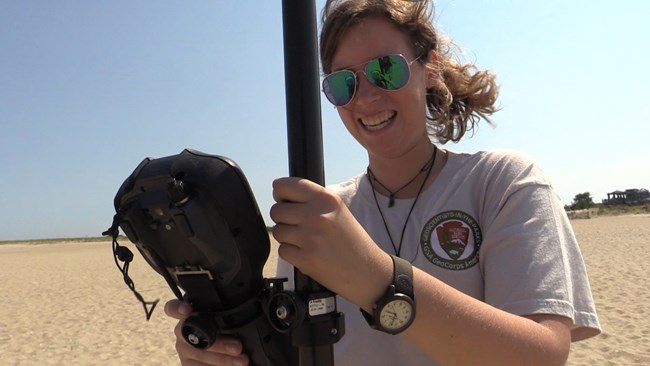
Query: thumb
point(178, 309)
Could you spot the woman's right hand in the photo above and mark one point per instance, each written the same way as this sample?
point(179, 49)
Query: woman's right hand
point(225, 351)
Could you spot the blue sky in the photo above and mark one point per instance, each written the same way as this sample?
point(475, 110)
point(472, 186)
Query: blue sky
point(90, 88)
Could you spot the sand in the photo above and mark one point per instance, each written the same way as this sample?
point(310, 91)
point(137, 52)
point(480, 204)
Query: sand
point(615, 250)
point(66, 304)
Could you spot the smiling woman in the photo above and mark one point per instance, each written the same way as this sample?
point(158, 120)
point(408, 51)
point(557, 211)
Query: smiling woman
point(429, 244)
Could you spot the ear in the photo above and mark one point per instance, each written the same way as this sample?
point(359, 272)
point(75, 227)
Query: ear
point(433, 69)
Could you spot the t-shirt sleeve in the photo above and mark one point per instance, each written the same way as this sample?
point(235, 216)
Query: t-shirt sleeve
point(530, 258)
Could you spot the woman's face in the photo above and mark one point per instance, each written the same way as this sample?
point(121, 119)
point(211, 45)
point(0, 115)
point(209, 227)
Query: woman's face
point(388, 124)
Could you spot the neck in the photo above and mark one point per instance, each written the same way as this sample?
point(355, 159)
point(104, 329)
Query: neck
point(394, 173)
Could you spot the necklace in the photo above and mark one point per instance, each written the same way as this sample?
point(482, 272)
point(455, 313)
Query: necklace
point(391, 194)
point(398, 249)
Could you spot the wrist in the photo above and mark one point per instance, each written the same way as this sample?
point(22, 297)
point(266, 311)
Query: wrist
point(375, 281)
point(394, 311)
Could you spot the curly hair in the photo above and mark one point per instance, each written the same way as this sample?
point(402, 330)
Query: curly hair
point(462, 95)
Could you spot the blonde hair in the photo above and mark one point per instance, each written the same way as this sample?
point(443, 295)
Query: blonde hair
point(462, 96)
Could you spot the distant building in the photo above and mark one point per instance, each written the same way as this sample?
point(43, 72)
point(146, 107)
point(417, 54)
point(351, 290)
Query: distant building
point(628, 197)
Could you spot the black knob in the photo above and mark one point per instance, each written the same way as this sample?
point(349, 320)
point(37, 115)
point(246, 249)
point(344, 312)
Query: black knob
point(199, 331)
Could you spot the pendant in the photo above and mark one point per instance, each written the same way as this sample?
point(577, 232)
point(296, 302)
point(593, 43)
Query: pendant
point(391, 201)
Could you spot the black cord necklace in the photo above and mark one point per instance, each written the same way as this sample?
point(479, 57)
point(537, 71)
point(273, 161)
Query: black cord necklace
point(391, 194)
point(427, 167)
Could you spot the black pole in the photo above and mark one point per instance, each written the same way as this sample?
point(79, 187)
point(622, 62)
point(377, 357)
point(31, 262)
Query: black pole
point(302, 90)
point(319, 331)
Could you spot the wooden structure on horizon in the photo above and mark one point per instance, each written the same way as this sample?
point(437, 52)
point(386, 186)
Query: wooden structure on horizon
point(628, 197)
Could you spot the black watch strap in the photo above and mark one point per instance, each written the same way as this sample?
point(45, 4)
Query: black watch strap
point(402, 276)
point(402, 286)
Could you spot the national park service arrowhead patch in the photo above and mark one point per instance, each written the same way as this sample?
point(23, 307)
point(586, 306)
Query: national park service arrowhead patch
point(452, 240)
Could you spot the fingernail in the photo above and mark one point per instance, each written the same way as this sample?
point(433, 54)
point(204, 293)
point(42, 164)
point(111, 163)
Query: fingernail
point(184, 309)
point(232, 349)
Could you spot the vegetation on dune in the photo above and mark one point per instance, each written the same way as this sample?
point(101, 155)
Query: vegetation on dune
point(584, 201)
point(613, 210)
point(581, 201)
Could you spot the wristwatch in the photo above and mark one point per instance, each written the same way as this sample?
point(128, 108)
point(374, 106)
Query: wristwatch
point(395, 310)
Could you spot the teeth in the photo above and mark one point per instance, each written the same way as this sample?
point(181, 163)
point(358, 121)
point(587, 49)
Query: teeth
point(378, 120)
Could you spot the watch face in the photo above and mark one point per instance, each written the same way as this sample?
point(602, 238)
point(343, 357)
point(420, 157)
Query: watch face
point(396, 315)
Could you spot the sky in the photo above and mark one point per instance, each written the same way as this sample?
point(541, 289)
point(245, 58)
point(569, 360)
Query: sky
point(88, 89)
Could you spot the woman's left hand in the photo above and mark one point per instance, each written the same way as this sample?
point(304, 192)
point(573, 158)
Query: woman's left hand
point(320, 236)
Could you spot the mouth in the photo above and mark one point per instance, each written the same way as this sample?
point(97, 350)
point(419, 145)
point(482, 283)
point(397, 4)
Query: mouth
point(378, 121)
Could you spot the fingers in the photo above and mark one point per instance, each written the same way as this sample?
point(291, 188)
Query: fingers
point(288, 213)
point(178, 309)
point(223, 344)
point(225, 351)
point(299, 199)
point(293, 189)
point(303, 214)
point(291, 254)
point(290, 195)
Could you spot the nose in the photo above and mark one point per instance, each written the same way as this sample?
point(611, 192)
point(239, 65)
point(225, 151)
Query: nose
point(366, 92)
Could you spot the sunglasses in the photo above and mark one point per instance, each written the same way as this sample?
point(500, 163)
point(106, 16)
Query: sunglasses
point(390, 72)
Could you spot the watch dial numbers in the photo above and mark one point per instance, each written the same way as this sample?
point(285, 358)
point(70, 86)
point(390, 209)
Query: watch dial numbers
point(395, 314)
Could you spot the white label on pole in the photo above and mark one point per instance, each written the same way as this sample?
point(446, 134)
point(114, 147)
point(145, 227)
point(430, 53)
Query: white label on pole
point(322, 306)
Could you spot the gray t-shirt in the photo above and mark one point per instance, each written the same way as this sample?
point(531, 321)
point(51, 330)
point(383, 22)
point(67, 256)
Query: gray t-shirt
point(490, 226)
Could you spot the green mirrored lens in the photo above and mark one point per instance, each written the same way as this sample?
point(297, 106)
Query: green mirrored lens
point(388, 72)
point(339, 87)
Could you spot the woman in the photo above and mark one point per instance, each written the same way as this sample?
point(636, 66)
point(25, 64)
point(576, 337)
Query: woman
point(469, 258)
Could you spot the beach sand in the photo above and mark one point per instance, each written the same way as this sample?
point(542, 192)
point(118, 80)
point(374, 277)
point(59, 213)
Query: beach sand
point(66, 303)
point(615, 250)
